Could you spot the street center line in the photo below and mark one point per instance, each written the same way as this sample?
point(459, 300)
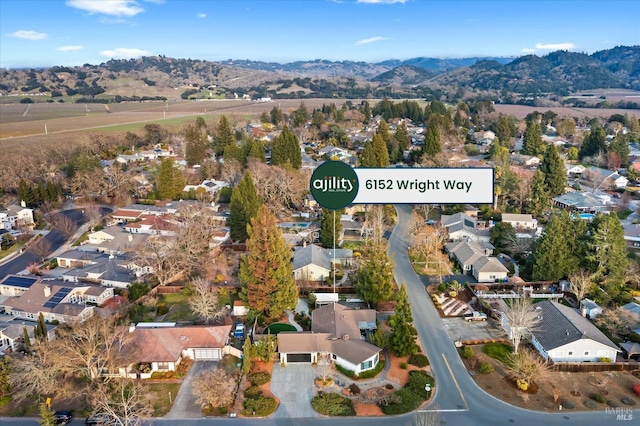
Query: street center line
point(455, 382)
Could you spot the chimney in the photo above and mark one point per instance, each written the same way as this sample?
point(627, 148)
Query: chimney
point(47, 291)
point(132, 328)
point(345, 337)
point(130, 237)
point(583, 311)
point(23, 204)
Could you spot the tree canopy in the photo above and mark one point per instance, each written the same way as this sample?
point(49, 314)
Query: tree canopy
point(243, 207)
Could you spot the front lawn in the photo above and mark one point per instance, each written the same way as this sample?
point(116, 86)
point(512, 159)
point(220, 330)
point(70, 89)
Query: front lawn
point(276, 328)
point(499, 351)
point(162, 396)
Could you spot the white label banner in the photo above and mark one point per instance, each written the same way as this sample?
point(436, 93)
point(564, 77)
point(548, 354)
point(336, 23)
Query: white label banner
point(425, 186)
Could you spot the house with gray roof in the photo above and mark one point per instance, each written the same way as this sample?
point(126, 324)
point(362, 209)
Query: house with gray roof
point(338, 332)
point(314, 263)
point(12, 333)
point(583, 202)
point(475, 259)
point(564, 335)
point(462, 227)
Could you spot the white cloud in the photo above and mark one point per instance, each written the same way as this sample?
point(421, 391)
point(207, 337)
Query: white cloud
point(107, 7)
point(555, 46)
point(29, 35)
point(124, 53)
point(69, 48)
point(370, 40)
point(154, 1)
point(382, 1)
point(202, 15)
point(528, 50)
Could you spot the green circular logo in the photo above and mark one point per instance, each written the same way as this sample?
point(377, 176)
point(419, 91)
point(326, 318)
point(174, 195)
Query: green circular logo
point(334, 185)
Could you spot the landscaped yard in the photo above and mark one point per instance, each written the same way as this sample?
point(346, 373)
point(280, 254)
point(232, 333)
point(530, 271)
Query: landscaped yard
point(162, 396)
point(574, 391)
point(178, 308)
point(278, 327)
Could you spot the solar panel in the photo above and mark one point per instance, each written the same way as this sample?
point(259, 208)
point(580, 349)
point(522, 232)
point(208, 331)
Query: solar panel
point(16, 281)
point(57, 298)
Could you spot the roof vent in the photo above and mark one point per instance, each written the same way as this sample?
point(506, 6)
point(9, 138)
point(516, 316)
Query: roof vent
point(345, 337)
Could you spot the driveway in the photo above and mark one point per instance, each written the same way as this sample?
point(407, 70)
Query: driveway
point(184, 406)
point(459, 329)
point(293, 385)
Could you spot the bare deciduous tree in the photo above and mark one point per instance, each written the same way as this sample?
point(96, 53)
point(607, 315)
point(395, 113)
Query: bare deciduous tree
point(91, 347)
point(213, 388)
point(37, 374)
point(126, 401)
point(204, 302)
point(428, 418)
point(324, 366)
point(581, 283)
point(92, 213)
point(64, 224)
point(618, 321)
point(521, 318)
point(528, 366)
point(41, 248)
point(374, 224)
point(157, 254)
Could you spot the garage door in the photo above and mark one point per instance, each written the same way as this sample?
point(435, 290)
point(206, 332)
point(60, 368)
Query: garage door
point(212, 354)
point(298, 357)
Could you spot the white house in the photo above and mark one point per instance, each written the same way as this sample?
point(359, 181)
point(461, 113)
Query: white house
point(520, 221)
point(14, 217)
point(210, 186)
point(338, 332)
point(563, 335)
point(462, 227)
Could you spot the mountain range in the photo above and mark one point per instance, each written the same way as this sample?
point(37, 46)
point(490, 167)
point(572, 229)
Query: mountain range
point(560, 72)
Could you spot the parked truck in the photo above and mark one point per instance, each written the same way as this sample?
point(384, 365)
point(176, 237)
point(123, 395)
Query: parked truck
point(475, 316)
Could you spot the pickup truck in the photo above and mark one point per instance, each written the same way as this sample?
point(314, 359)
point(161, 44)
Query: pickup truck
point(238, 332)
point(476, 316)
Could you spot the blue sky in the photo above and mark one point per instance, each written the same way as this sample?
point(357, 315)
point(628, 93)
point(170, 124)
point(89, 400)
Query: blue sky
point(35, 33)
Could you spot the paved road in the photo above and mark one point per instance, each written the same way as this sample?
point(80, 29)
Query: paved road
point(55, 238)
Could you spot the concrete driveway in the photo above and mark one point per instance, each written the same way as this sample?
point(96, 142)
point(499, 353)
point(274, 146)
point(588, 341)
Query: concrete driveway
point(184, 406)
point(293, 385)
point(459, 329)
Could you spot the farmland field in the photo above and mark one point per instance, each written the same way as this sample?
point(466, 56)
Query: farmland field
point(25, 123)
point(521, 111)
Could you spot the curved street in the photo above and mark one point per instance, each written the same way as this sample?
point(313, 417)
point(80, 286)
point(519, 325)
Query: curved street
point(458, 399)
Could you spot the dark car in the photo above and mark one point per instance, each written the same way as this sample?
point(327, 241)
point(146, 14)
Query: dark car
point(62, 417)
point(100, 419)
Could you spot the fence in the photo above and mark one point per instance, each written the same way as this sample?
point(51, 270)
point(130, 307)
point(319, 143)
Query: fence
point(232, 351)
point(514, 295)
point(592, 367)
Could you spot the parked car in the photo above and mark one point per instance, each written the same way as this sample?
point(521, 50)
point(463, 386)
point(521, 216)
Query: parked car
point(63, 417)
point(475, 316)
point(100, 419)
point(238, 332)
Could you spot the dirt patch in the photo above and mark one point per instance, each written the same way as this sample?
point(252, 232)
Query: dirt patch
point(363, 409)
point(398, 374)
point(574, 388)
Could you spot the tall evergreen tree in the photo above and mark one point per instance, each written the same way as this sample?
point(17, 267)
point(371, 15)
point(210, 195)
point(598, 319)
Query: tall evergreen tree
point(277, 116)
point(196, 145)
point(594, 142)
point(26, 340)
point(243, 207)
point(300, 115)
point(403, 139)
point(327, 230)
point(374, 280)
point(503, 130)
point(380, 151)
point(431, 146)
point(267, 271)
point(383, 130)
point(558, 251)
point(40, 329)
point(539, 195)
point(532, 143)
point(170, 181)
point(368, 156)
point(620, 145)
point(366, 111)
point(253, 148)
point(286, 149)
point(401, 340)
point(223, 135)
point(607, 251)
point(552, 166)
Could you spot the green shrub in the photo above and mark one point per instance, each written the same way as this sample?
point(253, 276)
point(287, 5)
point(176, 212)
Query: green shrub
point(252, 391)
point(333, 404)
point(486, 368)
point(417, 382)
point(499, 351)
point(259, 406)
point(161, 308)
point(466, 352)
point(403, 365)
point(373, 372)
point(259, 378)
point(442, 287)
point(598, 397)
point(346, 372)
point(604, 359)
point(409, 401)
point(419, 360)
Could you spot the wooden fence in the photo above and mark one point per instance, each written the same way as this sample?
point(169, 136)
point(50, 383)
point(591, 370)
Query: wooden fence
point(592, 367)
